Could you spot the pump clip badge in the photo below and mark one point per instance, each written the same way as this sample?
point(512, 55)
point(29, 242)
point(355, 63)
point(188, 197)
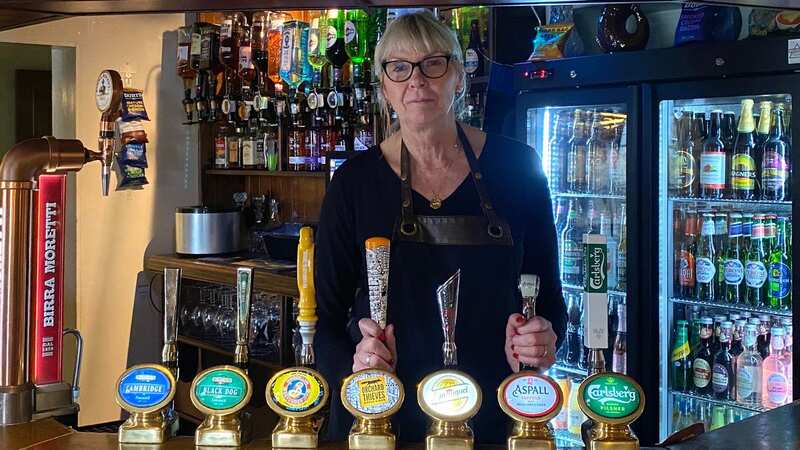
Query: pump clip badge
point(300, 391)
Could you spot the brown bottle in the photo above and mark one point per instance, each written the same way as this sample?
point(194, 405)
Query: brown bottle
point(686, 257)
point(576, 158)
point(685, 159)
point(743, 169)
point(698, 136)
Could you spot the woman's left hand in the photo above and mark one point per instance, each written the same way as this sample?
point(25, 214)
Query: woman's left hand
point(531, 342)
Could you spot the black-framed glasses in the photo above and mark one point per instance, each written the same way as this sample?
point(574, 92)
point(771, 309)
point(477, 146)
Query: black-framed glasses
point(399, 70)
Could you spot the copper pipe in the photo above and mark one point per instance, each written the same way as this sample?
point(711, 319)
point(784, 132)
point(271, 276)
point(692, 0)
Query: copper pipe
point(19, 171)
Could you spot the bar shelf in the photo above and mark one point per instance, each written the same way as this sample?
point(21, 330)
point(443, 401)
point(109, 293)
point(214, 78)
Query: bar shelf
point(575, 287)
point(731, 201)
point(719, 402)
point(589, 195)
point(732, 307)
point(265, 173)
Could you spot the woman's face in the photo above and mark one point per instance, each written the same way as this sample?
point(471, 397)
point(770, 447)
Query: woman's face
point(421, 100)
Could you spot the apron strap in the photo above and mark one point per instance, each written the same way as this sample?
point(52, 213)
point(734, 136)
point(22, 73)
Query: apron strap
point(408, 223)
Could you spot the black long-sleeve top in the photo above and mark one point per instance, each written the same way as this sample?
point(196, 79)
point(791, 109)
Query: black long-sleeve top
point(363, 200)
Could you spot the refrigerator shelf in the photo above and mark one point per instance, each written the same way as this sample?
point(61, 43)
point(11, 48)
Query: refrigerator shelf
point(588, 195)
point(730, 201)
point(732, 307)
point(719, 402)
point(575, 287)
point(570, 370)
point(567, 438)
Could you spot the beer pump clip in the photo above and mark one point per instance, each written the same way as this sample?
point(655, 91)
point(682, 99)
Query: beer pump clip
point(529, 397)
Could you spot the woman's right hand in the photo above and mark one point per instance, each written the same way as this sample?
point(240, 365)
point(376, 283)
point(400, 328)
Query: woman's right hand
point(377, 348)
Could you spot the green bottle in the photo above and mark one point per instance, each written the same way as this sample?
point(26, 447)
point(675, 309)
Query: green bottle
point(356, 35)
point(317, 41)
point(704, 262)
point(335, 51)
point(780, 271)
point(755, 270)
point(681, 359)
point(733, 268)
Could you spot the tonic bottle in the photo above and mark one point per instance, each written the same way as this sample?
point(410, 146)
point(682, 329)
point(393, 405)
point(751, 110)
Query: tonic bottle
point(755, 272)
point(688, 250)
point(703, 359)
point(576, 158)
point(681, 368)
point(743, 168)
point(775, 166)
point(722, 378)
point(775, 382)
point(780, 271)
point(734, 269)
point(712, 161)
point(748, 370)
point(704, 262)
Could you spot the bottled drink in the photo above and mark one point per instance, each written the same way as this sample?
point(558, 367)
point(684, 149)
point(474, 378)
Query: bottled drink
point(722, 378)
point(681, 368)
point(770, 233)
point(576, 158)
point(780, 271)
point(274, 44)
point(619, 359)
point(699, 133)
point(572, 251)
point(686, 257)
point(762, 341)
point(715, 342)
point(184, 68)
point(248, 148)
point(775, 382)
point(233, 144)
point(747, 231)
point(734, 269)
point(473, 55)
point(743, 169)
point(762, 135)
point(295, 68)
point(335, 52)
point(317, 40)
point(738, 333)
point(612, 245)
point(786, 323)
point(712, 161)
point(356, 30)
point(297, 141)
point(559, 149)
point(756, 266)
point(259, 41)
point(728, 136)
point(703, 359)
point(717, 417)
point(220, 146)
point(618, 153)
point(622, 252)
point(574, 343)
point(720, 249)
point(748, 370)
point(685, 165)
point(775, 166)
point(704, 261)
point(575, 417)
point(231, 33)
point(599, 143)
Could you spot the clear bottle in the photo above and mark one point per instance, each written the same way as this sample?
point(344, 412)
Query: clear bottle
point(720, 246)
point(572, 251)
point(612, 245)
point(712, 161)
point(220, 146)
point(775, 381)
point(704, 262)
point(295, 68)
point(620, 358)
point(748, 370)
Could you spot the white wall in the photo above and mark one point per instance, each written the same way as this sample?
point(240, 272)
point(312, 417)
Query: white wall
point(113, 234)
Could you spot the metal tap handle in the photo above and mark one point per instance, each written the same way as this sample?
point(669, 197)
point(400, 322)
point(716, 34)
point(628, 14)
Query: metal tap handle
point(172, 289)
point(76, 376)
point(244, 289)
point(447, 298)
point(529, 288)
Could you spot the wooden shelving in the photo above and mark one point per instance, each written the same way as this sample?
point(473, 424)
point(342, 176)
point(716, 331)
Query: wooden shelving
point(223, 271)
point(265, 173)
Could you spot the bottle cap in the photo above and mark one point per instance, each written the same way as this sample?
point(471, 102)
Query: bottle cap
point(706, 321)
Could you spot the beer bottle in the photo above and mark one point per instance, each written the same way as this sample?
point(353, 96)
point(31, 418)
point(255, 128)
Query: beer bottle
point(755, 272)
point(622, 252)
point(576, 158)
point(573, 341)
point(780, 271)
point(736, 343)
point(722, 378)
point(678, 222)
point(775, 166)
point(619, 358)
point(720, 246)
point(597, 170)
point(473, 56)
point(704, 262)
point(681, 368)
point(688, 249)
point(718, 319)
point(698, 136)
point(728, 136)
point(743, 170)
point(703, 359)
point(734, 269)
point(712, 161)
point(686, 161)
point(761, 136)
point(747, 230)
point(335, 51)
point(572, 251)
point(559, 149)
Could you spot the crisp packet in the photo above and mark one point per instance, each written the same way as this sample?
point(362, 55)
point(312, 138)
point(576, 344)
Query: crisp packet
point(549, 41)
point(133, 105)
point(133, 153)
point(129, 177)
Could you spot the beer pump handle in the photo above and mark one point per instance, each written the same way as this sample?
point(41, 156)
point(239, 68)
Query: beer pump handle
point(529, 288)
point(244, 290)
point(172, 288)
point(307, 304)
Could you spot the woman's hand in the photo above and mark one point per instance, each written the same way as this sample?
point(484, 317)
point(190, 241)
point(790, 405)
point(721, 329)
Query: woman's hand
point(532, 342)
point(377, 348)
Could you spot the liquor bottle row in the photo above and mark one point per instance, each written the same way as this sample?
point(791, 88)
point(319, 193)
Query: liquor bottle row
point(587, 151)
point(576, 217)
point(717, 158)
point(573, 354)
point(734, 358)
point(687, 411)
point(738, 258)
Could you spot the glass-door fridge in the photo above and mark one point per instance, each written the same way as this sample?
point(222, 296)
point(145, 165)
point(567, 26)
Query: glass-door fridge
point(724, 150)
point(586, 148)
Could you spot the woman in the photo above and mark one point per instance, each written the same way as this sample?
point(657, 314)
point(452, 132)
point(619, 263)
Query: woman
point(433, 166)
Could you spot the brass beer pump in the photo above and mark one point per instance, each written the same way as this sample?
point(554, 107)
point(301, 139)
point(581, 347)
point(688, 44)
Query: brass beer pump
point(373, 395)
point(19, 172)
point(296, 394)
point(222, 392)
point(529, 397)
point(450, 397)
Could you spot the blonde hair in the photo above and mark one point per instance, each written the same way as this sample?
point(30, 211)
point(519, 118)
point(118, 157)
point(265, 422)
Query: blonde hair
point(422, 33)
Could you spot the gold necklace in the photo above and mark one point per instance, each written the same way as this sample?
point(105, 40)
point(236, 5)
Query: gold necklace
point(436, 200)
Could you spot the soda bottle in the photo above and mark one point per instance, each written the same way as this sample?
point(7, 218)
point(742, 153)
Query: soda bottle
point(775, 166)
point(704, 262)
point(712, 161)
point(703, 359)
point(576, 158)
point(755, 272)
point(743, 169)
point(734, 269)
point(681, 368)
point(775, 382)
point(780, 271)
point(748, 370)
